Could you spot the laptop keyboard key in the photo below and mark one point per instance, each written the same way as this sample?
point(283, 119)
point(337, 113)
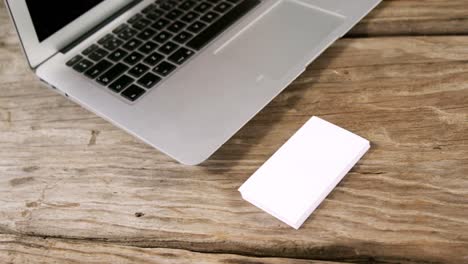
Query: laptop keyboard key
point(112, 44)
point(127, 33)
point(117, 55)
point(98, 54)
point(74, 60)
point(203, 7)
point(149, 80)
point(196, 27)
point(163, 37)
point(146, 34)
point(164, 68)
point(168, 48)
point(176, 27)
point(133, 58)
point(119, 29)
point(183, 37)
point(189, 17)
point(132, 44)
point(187, 5)
point(181, 55)
point(98, 69)
point(90, 49)
point(121, 83)
point(83, 65)
point(222, 7)
point(148, 47)
point(209, 17)
point(141, 24)
point(138, 70)
point(160, 24)
point(153, 59)
point(112, 74)
point(133, 92)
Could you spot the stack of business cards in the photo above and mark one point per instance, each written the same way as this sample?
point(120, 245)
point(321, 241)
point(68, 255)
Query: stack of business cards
point(298, 177)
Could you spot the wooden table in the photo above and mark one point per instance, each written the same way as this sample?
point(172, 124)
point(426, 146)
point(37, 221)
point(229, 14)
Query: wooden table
point(74, 188)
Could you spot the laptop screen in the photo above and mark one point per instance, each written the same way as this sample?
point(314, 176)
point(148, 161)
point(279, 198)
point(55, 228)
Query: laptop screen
point(49, 16)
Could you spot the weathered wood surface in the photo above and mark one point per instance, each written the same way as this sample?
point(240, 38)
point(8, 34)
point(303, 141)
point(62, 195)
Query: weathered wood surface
point(65, 173)
point(415, 17)
point(15, 249)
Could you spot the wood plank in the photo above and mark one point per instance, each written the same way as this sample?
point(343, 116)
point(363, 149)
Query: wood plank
point(18, 250)
point(415, 17)
point(67, 173)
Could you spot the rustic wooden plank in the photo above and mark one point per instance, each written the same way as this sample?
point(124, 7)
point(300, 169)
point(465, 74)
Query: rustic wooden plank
point(67, 173)
point(415, 17)
point(16, 249)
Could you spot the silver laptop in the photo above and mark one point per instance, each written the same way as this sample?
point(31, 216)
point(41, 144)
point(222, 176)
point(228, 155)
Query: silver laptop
point(181, 75)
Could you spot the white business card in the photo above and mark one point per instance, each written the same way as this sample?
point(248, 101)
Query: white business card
point(298, 177)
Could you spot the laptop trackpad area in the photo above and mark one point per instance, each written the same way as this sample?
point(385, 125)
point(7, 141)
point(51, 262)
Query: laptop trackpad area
point(280, 39)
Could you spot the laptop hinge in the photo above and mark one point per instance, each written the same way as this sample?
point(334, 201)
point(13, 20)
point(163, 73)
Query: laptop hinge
point(86, 35)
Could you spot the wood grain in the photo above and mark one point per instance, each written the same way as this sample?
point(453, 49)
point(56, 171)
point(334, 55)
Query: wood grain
point(15, 249)
point(415, 17)
point(65, 173)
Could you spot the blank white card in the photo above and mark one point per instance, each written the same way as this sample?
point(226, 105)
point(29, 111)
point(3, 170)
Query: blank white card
point(298, 177)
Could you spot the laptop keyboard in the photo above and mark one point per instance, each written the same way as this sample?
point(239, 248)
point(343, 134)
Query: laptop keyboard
point(151, 45)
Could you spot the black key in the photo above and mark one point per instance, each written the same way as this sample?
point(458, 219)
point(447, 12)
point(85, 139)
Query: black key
point(183, 37)
point(127, 33)
point(197, 27)
point(164, 68)
point(133, 92)
point(74, 60)
point(181, 55)
point(138, 70)
point(148, 9)
point(163, 37)
point(174, 14)
point(148, 47)
point(149, 80)
point(90, 49)
point(176, 27)
point(121, 83)
point(155, 14)
point(203, 7)
point(83, 65)
point(133, 58)
point(146, 34)
point(119, 29)
point(112, 74)
point(168, 48)
point(112, 44)
point(98, 54)
point(134, 19)
point(167, 5)
point(187, 5)
point(221, 24)
point(153, 59)
point(189, 17)
point(160, 24)
point(222, 7)
point(98, 69)
point(209, 17)
point(105, 39)
point(214, 1)
point(132, 44)
point(141, 24)
point(117, 55)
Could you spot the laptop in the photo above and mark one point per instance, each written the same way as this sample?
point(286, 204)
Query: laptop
point(182, 75)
